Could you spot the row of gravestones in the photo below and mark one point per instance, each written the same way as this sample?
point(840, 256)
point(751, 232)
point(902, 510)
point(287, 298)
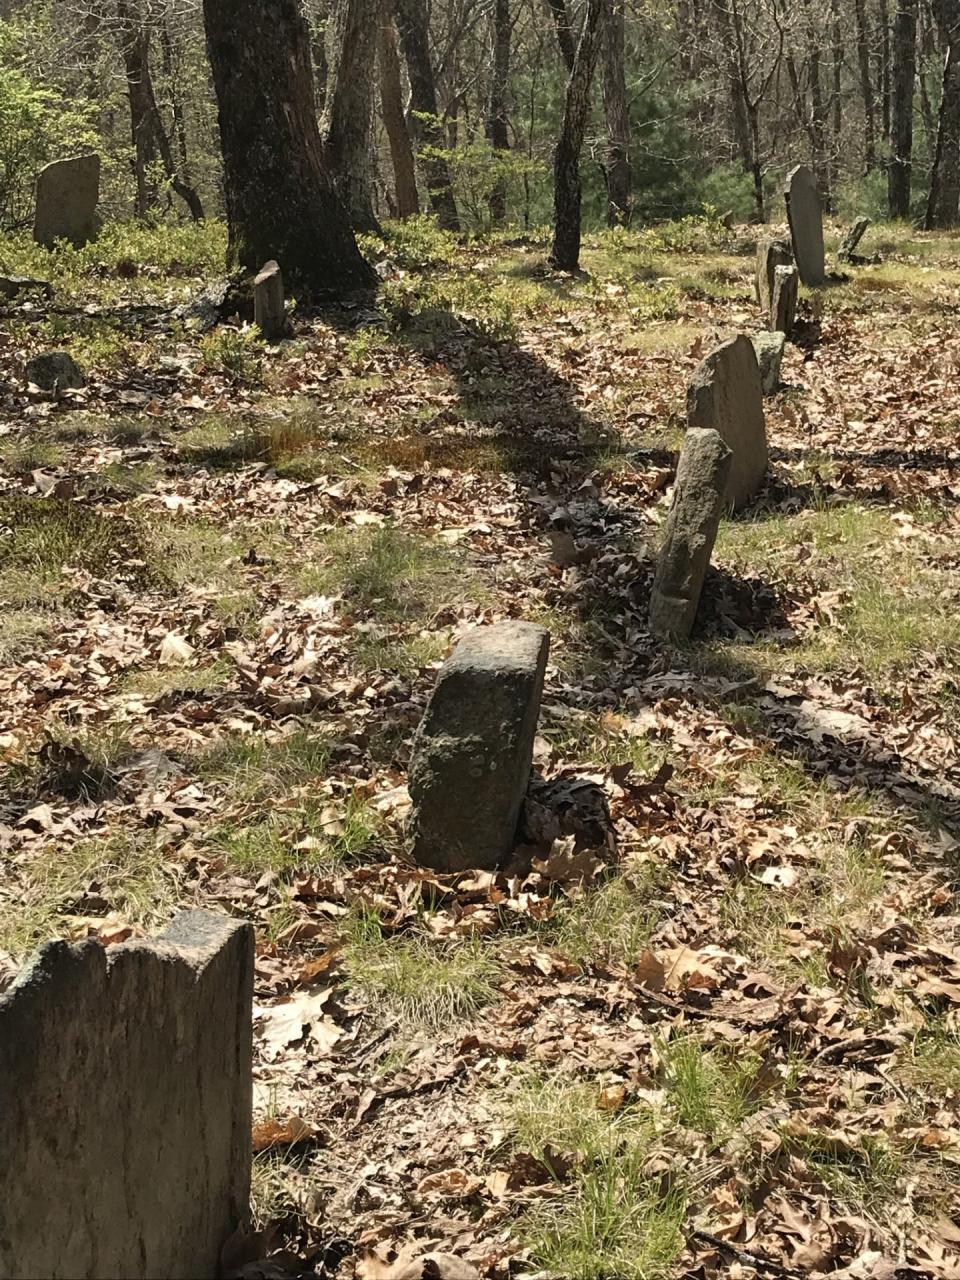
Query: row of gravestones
point(125, 1073)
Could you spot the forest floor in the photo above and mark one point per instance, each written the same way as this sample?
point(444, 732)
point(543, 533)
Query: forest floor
point(709, 1021)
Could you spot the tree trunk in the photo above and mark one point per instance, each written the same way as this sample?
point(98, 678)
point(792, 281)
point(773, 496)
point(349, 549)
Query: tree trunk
point(730, 43)
point(943, 204)
point(394, 121)
point(497, 114)
point(837, 91)
point(414, 31)
point(561, 20)
point(884, 67)
point(618, 118)
point(345, 128)
point(901, 122)
point(280, 199)
point(866, 89)
point(566, 166)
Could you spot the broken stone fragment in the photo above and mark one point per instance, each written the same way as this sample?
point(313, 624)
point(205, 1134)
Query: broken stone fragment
point(474, 749)
point(269, 314)
point(54, 371)
point(783, 304)
point(691, 530)
point(769, 348)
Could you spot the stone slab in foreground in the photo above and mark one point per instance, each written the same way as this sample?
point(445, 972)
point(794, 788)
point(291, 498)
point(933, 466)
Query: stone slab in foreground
point(725, 393)
point(474, 749)
point(67, 195)
point(691, 530)
point(125, 1105)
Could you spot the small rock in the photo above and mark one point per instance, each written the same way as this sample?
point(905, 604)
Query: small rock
point(10, 286)
point(54, 371)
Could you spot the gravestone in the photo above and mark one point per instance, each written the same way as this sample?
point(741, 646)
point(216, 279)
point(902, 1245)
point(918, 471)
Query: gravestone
point(125, 1105)
point(725, 394)
point(805, 215)
point(783, 304)
point(67, 195)
point(54, 371)
point(771, 254)
point(769, 348)
point(848, 246)
point(268, 310)
point(474, 749)
point(699, 491)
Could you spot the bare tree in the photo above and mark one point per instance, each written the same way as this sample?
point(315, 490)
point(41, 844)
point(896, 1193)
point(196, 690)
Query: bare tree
point(394, 121)
point(617, 160)
point(280, 199)
point(566, 164)
point(943, 204)
point(345, 128)
point(497, 132)
point(901, 109)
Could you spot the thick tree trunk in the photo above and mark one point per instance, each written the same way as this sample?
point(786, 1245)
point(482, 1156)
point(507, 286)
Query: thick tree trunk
point(414, 31)
point(943, 204)
point(566, 166)
point(884, 77)
point(280, 199)
point(901, 120)
point(345, 129)
point(618, 118)
point(394, 121)
point(565, 38)
point(497, 134)
point(866, 89)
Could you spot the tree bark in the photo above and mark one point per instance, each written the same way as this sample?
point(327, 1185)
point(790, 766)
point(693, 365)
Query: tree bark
point(345, 128)
point(280, 199)
point(901, 111)
point(943, 204)
point(566, 165)
point(414, 32)
point(561, 20)
point(394, 121)
point(866, 89)
point(497, 133)
point(617, 115)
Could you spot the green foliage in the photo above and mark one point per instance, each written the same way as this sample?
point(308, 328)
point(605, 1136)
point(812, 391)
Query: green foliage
point(234, 352)
point(416, 244)
point(477, 169)
point(36, 124)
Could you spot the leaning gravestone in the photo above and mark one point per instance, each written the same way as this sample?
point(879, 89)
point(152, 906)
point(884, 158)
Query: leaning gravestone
point(268, 312)
point(125, 1105)
point(771, 254)
point(725, 393)
point(698, 501)
point(848, 246)
point(474, 749)
point(67, 195)
point(769, 348)
point(783, 304)
point(805, 215)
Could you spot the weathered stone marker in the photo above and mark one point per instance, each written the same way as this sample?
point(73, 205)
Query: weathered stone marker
point(268, 311)
point(769, 348)
point(783, 304)
point(54, 370)
point(67, 195)
point(848, 247)
point(770, 255)
point(805, 215)
point(694, 517)
point(474, 748)
point(725, 393)
point(125, 1105)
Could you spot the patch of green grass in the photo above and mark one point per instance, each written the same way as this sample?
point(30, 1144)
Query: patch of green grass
point(41, 537)
point(404, 655)
point(29, 454)
point(861, 1175)
point(424, 982)
point(157, 681)
point(613, 1218)
point(261, 767)
point(385, 571)
point(711, 1090)
point(324, 838)
point(933, 1062)
point(233, 352)
point(24, 631)
point(128, 870)
point(612, 922)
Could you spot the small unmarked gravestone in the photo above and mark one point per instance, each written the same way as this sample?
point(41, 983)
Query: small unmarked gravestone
point(771, 254)
point(769, 348)
point(805, 215)
point(783, 304)
point(268, 311)
point(725, 393)
point(67, 195)
point(848, 246)
point(698, 501)
point(473, 751)
point(125, 1105)
point(54, 371)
